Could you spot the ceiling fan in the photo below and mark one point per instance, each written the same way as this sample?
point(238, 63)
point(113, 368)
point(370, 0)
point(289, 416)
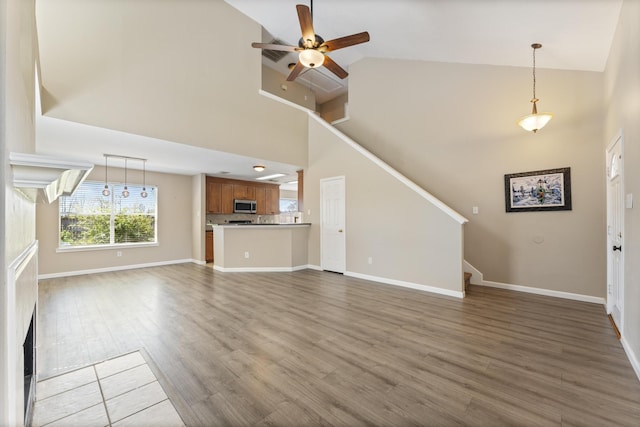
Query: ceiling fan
point(312, 48)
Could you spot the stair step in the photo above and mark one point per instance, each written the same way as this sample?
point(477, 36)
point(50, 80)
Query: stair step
point(467, 280)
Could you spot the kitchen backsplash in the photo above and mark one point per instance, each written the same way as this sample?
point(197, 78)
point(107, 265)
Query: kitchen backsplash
point(284, 218)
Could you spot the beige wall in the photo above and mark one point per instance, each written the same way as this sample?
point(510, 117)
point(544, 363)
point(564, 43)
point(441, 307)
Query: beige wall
point(622, 97)
point(335, 109)
point(277, 84)
point(409, 239)
point(175, 229)
point(451, 128)
point(17, 134)
point(181, 71)
point(198, 209)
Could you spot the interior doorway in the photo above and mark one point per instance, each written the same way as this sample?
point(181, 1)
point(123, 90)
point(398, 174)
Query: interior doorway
point(332, 224)
point(615, 230)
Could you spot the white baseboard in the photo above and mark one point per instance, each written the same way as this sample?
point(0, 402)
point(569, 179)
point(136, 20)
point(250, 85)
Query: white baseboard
point(259, 269)
point(109, 269)
point(425, 288)
point(635, 363)
point(546, 292)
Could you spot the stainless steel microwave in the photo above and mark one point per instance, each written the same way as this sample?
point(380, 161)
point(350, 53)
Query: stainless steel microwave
point(244, 206)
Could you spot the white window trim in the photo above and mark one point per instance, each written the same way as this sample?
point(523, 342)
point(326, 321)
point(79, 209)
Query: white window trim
point(105, 247)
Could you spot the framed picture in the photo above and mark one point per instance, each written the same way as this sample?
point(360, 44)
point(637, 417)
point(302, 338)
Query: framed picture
point(546, 190)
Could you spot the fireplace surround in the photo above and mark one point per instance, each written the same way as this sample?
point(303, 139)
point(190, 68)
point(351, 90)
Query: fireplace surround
point(20, 351)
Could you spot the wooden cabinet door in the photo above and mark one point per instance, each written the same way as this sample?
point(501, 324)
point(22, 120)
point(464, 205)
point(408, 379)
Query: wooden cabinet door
point(209, 247)
point(261, 201)
point(226, 198)
point(244, 192)
point(214, 197)
point(273, 199)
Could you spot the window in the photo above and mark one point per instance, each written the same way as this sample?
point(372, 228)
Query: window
point(288, 205)
point(90, 219)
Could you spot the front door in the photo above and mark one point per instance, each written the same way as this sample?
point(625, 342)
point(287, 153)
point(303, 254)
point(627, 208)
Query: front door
point(332, 221)
point(615, 224)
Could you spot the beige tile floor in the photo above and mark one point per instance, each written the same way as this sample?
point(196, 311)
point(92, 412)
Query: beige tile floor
point(118, 392)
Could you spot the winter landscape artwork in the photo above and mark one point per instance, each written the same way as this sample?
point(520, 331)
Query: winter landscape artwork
point(546, 190)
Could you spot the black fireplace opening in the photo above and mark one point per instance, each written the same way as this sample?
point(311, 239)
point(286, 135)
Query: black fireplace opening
point(28, 349)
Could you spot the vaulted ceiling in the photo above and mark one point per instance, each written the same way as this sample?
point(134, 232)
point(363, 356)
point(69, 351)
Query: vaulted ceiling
point(196, 70)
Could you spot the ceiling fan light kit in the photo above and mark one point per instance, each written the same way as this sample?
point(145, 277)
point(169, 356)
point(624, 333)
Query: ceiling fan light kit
point(534, 121)
point(312, 48)
point(311, 58)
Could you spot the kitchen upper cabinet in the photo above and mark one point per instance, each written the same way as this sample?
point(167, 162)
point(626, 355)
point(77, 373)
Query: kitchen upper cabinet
point(214, 197)
point(272, 202)
point(219, 197)
point(221, 193)
point(261, 200)
point(227, 198)
point(244, 192)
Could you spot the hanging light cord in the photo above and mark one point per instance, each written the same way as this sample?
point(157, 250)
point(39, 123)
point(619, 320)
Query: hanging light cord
point(534, 73)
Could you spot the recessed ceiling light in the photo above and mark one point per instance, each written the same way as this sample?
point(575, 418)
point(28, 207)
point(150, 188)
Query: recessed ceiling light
point(259, 168)
point(275, 175)
point(292, 182)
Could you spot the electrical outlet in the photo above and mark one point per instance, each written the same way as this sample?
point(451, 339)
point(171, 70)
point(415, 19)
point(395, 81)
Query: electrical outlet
point(246, 254)
point(119, 253)
point(370, 260)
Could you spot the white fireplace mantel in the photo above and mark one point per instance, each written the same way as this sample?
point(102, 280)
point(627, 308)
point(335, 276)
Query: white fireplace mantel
point(44, 178)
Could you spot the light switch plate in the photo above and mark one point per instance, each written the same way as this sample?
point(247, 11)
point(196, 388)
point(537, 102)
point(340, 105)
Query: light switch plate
point(475, 210)
point(629, 201)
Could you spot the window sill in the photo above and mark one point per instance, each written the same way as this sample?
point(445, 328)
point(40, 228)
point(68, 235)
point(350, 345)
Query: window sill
point(105, 247)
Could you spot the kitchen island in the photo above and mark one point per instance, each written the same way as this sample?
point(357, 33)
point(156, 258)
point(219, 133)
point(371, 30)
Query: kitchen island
point(260, 247)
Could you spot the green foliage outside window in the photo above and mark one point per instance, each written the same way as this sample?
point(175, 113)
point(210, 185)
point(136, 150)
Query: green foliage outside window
point(90, 219)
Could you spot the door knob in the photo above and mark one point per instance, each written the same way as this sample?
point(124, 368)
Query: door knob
point(339, 230)
point(617, 248)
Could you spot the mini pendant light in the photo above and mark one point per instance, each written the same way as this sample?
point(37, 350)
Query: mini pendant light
point(106, 191)
point(144, 193)
point(125, 192)
point(535, 121)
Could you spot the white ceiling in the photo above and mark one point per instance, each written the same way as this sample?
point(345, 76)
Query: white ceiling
point(576, 34)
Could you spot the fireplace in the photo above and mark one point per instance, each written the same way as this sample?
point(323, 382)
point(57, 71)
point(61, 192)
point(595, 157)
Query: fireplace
point(29, 385)
point(18, 360)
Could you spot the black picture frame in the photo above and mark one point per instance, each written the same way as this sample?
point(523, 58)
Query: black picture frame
point(537, 191)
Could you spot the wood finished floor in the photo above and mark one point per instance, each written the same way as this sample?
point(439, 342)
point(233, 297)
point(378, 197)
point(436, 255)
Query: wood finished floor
point(316, 348)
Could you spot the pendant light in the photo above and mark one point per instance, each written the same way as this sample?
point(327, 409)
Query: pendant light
point(125, 192)
point(535, 121)
point(106, 191)
point(144, 193)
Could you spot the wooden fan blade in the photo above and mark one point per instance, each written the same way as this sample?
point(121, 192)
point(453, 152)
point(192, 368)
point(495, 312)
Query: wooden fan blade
point(306, 25)
point(270, 46)
point(295, 72)
point(334, 67)
point(346, 41)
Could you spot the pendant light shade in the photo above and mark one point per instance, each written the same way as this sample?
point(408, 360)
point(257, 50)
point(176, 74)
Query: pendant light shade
point(106, 191)
point(144, 193)
point(125, 192)
point(534, 121)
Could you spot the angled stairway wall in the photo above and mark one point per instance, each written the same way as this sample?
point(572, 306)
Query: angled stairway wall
point(413, 239)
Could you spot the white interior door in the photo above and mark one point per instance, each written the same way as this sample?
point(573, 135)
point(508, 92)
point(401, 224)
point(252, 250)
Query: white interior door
point(332, 221)
point(615, 224)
